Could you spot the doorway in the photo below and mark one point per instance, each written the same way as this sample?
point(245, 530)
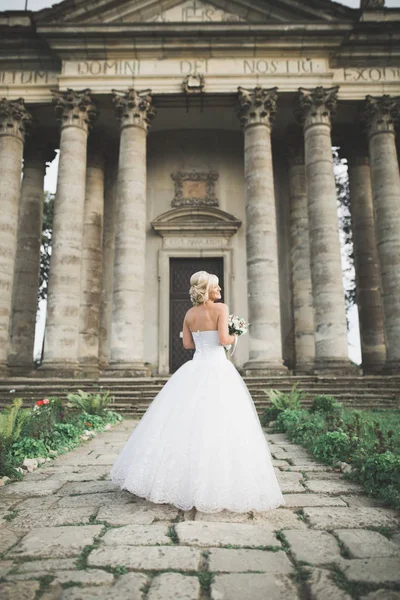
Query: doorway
point(180, 271)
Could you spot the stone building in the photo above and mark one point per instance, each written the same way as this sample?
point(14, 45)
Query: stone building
point(198, 135)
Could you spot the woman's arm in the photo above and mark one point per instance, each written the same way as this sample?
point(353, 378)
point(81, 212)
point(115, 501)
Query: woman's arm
point(223, 330)
point(188, 342)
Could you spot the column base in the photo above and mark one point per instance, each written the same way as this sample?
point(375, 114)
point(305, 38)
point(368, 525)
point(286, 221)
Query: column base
point(89, 369)
point(3, 370)
point(376, 368)
point(59, 369)
point(15, 370)
point(261, 368)
point(304, 368)
point(391, 367)
point(336, 367)
point(137, 369)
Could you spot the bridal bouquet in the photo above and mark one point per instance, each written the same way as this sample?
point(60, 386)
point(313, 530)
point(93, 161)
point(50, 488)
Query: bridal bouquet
point(237, 326)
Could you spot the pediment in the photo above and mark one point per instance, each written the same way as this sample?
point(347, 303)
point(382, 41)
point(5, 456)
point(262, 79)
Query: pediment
point(194, 221)
point(91, 12)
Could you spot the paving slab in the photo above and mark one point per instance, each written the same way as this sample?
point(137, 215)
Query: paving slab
point(95, 577)
point(51, 564)
point(372, 570)
point(199, 533)
point(128, 587)
point(224, 516)
point(363, 543)
point(33, 519)
point(174, 585)
point(315, 547)
point(138, 535)
point(301, 500)
point(355, 500)
point(383, 594)
point(322, 586)
point(145, 513)
point(8, 538)
point(281, 518)
point(96, 500)
point(253, 586)
point(146, 557)
point(315, 468)
point(21, 590)
point(328, 486)
point(5, 567)
point(30, 488)
point(351, 518)
point(55, 542)
point(242, 560)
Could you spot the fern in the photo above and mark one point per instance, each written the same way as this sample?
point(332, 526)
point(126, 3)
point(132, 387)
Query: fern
point(281, 400)
point(91, 404)
point(10, 425)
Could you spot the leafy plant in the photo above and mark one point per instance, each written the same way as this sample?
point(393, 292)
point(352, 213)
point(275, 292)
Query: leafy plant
point(282, 401)
point(332, 446)
point(326, 404)
point(90, 403)
point(10, 429)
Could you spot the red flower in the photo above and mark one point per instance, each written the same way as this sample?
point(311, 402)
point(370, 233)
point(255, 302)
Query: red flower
point(46, 401)
point(39, 403)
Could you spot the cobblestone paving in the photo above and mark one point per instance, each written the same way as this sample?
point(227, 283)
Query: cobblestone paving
point(67, 533)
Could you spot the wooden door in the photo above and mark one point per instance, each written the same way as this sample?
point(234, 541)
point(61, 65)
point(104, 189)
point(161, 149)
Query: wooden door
point(181, 270)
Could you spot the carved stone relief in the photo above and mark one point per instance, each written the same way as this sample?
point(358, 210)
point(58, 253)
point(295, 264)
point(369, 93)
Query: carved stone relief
point(194, 189)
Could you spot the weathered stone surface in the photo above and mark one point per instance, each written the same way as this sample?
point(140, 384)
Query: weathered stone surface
point(128, 586)
point(21, 590)
point(7, 539)
point(332, 487)
point(301, 500)
point(356, 500)
point(89, 577)
point(328, 476)
point(221, 534)
point(33, 519)
point(322, 586)
point(280, 463)
point(87, 487)
point(56, 542)
point(383, 594)
point(304, 462)
point(316, 547)
point(144, 557)
point(76, 474)
point(237, 561)
point(132, 513)
point(372, 570)
point(363, 543)
point(174, 585)
point(307, 468)
point(350, 518)
point(51, 564)
point(224, 516)
point(253, 586)
point(110, 499)
point(279, 519)
point(22, 488)
point(5, 567)
point(396, 538)
point(138, 535)
point(289, 482)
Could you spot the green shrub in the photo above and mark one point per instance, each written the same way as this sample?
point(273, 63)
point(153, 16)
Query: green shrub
point(89, 403)
point(42, 418)
point(269, 414)
point(326, 404)
point(332, 446)
point(381, 471)
point(10, 430)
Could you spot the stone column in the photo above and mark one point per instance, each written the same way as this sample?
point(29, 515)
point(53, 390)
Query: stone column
point(256, 111)
point(134, 112)
point(303, 310)
point(331, 347)
point(14, 120)
point(110, 201)
point(91, 276)
point(27, 262)
point(366, 260)
point(381, 114)
point(75, 111)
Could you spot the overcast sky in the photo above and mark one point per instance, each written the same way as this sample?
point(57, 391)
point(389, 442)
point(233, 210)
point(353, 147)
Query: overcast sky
point(37, 4)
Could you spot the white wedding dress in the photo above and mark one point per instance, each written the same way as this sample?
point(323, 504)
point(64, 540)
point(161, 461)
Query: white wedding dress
point(200, 442)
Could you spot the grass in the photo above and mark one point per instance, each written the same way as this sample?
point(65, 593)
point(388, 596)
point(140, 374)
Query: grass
point(173, 535)
point(283, 540)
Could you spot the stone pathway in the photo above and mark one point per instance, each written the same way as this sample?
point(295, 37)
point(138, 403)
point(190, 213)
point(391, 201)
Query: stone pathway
point(67, 533)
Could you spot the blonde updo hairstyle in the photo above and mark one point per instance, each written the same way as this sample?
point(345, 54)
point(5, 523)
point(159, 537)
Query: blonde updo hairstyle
point(200, 285)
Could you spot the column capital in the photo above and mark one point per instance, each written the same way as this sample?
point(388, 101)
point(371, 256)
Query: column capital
point(74, 108)
point(317, 105)
point(134, 108)
point(14, 118)
point(257, 106)
point(381, 113)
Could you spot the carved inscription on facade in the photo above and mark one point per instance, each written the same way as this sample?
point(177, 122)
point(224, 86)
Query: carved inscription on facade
point(195, 242)
point(27, 77)
point(195, 11)
point(374, 74)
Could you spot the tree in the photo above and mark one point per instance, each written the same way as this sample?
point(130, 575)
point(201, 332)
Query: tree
point(345, 226)
point(45, 249)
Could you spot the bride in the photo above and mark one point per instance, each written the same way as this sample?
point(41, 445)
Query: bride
point(200, 442)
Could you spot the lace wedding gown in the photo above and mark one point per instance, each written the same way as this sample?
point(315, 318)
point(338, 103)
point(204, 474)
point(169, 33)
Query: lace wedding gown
point(200, 442)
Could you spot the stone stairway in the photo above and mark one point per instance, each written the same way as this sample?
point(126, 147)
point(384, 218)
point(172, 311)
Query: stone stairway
point(133, 396)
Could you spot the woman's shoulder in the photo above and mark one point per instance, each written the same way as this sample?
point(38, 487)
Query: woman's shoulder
point(220, 307)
